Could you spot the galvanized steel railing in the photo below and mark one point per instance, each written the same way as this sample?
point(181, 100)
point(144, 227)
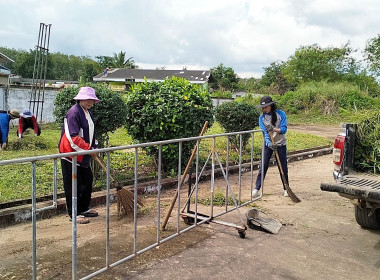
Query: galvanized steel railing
point(195, 216)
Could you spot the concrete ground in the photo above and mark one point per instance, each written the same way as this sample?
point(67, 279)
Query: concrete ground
point(319, 239)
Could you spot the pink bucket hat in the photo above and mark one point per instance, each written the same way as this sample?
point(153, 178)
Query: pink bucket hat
point(86, 93)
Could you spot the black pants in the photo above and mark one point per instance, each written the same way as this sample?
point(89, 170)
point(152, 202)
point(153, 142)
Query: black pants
point(284, 163)
point(28, 123)
point(84, 186)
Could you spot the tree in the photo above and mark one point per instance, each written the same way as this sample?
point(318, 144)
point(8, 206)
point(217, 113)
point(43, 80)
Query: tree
point(249, 84)
point(223, 78)
point(313, 63)
point(120, 62)
point(116, 61)
point(91, 69)
point(104, 61)
point(372, 54)
point(274, 79)
point(166, 110)
point(24, 64)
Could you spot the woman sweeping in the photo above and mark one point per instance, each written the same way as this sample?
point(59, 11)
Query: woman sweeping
point(78, 134)
point(272, 121)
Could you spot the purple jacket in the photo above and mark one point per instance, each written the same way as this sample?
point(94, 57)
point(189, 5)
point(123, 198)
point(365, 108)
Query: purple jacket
point(77, 138)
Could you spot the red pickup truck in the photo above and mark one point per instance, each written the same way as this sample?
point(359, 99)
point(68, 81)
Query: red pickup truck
point(361, 188)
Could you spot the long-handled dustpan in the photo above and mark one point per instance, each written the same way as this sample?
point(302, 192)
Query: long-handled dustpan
point(256, 222)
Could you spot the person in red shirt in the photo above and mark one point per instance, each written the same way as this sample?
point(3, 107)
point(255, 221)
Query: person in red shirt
point(27, 120)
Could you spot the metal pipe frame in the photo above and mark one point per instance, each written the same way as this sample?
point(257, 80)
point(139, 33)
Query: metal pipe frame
point(199, 218)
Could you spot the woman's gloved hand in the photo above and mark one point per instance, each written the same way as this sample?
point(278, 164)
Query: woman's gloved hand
point(273, 146)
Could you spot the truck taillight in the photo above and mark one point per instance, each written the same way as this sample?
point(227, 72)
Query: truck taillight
point(338, 149)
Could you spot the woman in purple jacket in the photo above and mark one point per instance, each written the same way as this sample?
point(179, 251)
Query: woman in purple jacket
point(78, 134)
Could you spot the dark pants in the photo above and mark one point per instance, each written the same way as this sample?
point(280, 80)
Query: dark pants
point(84, 186)
point(28, 123)
point(267, 155)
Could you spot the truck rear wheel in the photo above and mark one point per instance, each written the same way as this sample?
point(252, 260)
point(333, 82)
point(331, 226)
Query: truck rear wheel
point(362, 218)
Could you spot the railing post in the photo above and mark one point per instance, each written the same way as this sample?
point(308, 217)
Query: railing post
point(34, 221)
point(74, 216)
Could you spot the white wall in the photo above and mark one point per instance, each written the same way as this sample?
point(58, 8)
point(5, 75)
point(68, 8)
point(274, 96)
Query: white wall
point(218, 101)
point(18, 98)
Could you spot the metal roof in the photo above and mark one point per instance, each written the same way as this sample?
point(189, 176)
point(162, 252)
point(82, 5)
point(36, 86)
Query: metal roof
point(5, 59)
point(138, 75)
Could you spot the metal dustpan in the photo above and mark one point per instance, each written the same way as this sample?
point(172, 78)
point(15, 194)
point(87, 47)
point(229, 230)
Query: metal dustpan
point(256, 222)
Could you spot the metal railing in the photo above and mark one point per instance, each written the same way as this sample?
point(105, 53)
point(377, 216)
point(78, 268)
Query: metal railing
point(195, 217)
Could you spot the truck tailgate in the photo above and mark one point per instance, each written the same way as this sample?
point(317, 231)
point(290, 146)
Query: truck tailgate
point(356, 187)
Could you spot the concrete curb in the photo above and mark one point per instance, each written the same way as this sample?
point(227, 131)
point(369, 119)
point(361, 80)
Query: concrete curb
point(23, 213)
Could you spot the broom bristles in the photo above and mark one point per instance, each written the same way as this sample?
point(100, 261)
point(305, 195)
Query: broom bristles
point(291, 194)
point(125, 202)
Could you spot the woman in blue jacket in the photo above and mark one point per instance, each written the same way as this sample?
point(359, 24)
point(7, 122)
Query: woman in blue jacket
point(5, 118)
point(272, 121)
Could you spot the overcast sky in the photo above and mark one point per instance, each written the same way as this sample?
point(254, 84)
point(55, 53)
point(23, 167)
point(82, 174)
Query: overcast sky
point(197, 34)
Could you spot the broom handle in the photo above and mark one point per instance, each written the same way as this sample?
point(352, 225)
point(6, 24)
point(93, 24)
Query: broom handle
point(103, 166)
point(278, 160)
point(165, 221)
point(284, 181)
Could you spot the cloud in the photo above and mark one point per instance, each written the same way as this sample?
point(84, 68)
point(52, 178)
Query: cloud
point(245, 35)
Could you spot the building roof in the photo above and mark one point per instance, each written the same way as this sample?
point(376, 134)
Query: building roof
point(138, 75)
point(15, 79)
point(4, 71)
point(5, 59)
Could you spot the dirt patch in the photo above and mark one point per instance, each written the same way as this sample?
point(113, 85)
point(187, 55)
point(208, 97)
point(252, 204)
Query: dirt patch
point(54, 244)
point(329, 132)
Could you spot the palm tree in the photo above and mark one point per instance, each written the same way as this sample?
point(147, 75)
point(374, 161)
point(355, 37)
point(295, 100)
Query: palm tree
point(120, 62)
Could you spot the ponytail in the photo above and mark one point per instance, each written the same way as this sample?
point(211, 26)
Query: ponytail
point(274, 115)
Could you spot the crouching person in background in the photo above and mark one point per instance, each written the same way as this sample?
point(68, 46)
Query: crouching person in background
point(28, 120)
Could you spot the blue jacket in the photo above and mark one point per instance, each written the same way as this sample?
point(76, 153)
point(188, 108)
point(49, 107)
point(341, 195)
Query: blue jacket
point(4, 126)
point(266, 119)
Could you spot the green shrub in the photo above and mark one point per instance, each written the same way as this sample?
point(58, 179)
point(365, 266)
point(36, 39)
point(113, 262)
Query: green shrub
point(235, 116)
point(219, 200)
point(171, 109)
point(109, 113)
point(367, 144)
point(327, 98)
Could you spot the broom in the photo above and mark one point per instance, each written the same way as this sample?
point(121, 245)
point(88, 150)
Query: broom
point(125, 198)
point(292, 195)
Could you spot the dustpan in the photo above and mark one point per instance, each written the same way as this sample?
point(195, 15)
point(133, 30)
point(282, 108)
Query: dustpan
point(254, 221)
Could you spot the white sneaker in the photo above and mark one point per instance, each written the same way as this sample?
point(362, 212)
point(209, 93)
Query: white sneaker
point(286, 193)
point(254, 192)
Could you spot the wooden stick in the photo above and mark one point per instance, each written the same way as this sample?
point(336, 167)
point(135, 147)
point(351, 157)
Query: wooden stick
point(103, 166)
point(292, 195)
point(165, 221)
